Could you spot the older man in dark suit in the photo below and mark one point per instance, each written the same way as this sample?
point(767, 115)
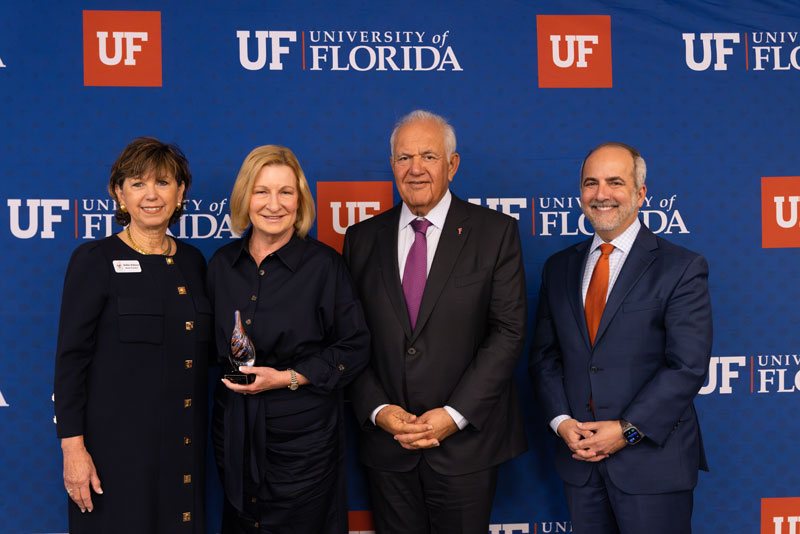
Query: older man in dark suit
point(622, 345)
point(443, 290)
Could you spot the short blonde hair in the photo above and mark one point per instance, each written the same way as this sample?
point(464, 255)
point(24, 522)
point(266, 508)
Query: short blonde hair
point(243, 188)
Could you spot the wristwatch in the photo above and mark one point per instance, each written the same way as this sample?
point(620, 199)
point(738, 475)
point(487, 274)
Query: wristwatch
point(294, 385)
point(630, 433)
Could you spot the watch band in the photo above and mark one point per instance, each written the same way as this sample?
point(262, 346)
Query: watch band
point(294, 385)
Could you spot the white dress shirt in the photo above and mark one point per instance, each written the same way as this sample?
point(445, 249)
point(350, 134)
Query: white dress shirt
point(622, 246)
point(405, 238)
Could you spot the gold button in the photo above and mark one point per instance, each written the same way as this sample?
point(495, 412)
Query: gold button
point(255, 524)
point(181, 290)
point(261, 272)
point(187, 516)
point(187, 403)
point(187, 479)
point(253, 500)
point(187, 441)
point(189, 325)
point(341, 367)
point(170, 261)
point(247, 321)
point(187, 364)
point(253, 297)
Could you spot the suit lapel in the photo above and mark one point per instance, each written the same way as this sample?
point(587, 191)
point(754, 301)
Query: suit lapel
point(387, 252)
point(575, 267)
point(639, 259)
point(454, 234)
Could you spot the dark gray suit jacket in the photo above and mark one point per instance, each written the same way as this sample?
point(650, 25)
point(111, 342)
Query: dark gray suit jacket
point(466, 344)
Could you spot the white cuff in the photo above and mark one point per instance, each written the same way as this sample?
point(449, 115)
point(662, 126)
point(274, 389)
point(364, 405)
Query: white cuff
point(557, 421)
point(375, 412)
point(459, 419)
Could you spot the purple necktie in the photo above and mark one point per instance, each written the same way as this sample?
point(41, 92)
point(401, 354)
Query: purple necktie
point(416, 270)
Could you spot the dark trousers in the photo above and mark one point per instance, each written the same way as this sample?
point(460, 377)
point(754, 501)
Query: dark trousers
point(422, 501)
point(600, 507)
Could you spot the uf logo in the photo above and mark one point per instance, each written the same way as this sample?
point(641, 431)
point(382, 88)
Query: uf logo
point(129, 46)
point(122, 48)
point(261, 43)
point(343, 204)
point(47, 206)
point(780, 515)
point(719, 45)
point(574, 50)
point(780, 221)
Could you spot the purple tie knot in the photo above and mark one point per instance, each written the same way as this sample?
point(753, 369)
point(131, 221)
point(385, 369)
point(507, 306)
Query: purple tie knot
point(420, 225)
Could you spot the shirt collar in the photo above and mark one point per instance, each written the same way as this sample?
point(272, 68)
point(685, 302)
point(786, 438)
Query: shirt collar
point(623, 241)
point(290, 254)
point(436, 216)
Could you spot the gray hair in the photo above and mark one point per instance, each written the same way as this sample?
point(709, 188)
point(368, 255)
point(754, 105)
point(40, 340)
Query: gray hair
point(639, 166)
point(421, 115)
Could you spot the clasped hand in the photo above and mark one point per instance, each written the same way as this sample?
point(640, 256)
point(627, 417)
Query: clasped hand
point(592, 441)
point(416, 432)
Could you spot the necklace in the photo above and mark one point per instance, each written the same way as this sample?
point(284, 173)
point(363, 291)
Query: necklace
point(138, 249)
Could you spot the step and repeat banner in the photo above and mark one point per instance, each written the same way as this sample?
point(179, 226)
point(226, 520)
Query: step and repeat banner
point(707, 91)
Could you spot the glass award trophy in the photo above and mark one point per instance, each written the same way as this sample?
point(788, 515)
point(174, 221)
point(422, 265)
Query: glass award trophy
point(242, 353)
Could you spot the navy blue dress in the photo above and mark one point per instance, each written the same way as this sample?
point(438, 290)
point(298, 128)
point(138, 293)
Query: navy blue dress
point(131, 377)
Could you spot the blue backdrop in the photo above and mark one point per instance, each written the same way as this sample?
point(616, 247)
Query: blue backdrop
point(706, 90)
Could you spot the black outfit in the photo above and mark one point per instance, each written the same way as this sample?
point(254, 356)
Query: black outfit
point(281, 452)
point(130, 376)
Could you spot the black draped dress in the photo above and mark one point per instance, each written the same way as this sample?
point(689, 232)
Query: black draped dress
point(281, 453)
point(131, 377)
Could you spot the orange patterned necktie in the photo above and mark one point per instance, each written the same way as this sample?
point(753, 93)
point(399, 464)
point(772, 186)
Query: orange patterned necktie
point(596, 294)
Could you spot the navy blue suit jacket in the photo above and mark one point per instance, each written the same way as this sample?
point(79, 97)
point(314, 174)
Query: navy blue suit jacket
point(649, 360)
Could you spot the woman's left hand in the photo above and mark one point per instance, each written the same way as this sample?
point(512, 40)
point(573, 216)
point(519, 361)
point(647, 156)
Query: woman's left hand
point(266, 378)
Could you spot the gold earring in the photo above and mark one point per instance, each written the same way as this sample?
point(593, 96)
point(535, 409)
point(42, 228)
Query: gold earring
point(179, 205)
point(123, 209)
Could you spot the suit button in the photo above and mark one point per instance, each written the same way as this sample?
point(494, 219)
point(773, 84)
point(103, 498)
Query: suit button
point(187, 516)
point(594, 369)
point(187, 441)
point(189, 325)
point(187, 479)
point(187, 403)
point(412, 351)
point(341, 367)
point(187, 364)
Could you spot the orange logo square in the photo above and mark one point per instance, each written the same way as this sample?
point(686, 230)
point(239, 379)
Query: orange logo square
point(780, 204)
point(122, 48)
point(574, 50)
point(343, 204)
point(360, 522)
point(780, 515)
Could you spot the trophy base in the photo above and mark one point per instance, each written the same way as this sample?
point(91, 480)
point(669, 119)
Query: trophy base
point(240, 378)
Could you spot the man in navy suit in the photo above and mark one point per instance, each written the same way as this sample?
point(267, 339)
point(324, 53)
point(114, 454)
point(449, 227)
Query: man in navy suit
point(618, 357)
point(443, 289)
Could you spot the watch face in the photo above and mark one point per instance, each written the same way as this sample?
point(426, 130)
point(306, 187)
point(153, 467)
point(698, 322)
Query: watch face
point(632, 435)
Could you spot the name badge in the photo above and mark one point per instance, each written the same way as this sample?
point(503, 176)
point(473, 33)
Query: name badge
point(127, 266)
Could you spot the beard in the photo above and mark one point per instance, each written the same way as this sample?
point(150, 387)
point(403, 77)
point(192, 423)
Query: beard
point(611, 220)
